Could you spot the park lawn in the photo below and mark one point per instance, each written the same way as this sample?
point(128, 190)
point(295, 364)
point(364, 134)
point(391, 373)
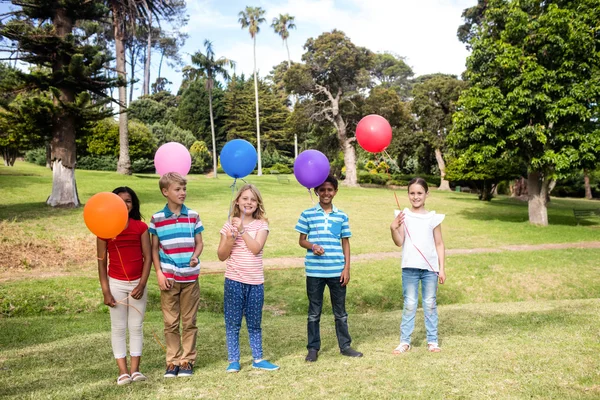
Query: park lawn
point(30, 229)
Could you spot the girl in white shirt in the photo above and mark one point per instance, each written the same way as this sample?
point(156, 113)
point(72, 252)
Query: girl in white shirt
point(419, 233)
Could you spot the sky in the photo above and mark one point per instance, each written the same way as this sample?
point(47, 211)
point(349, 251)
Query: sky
point(422, 31)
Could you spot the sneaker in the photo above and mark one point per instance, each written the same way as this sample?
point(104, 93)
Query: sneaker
point(186, 369)
point(350, 352)
point(172, 371)
point(264, 364)
point(312, 355)
point(234, 366)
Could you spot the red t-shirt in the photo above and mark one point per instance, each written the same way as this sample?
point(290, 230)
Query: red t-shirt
point(127, 246)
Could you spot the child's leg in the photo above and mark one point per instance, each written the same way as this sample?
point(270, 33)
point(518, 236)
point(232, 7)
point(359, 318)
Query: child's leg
point(410, 291)
point(169, 303)
point(190, 300)
point(338, 303)
point(233, 307)
point(314, 291)
point(429, 289)
point(136, 312)
point(118, 322)
point(255, 298)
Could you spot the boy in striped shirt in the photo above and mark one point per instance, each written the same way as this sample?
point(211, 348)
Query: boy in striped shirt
point(176, 245)
point(324, 233)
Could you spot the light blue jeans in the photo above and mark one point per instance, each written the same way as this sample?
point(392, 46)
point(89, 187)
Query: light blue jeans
point(410, 289)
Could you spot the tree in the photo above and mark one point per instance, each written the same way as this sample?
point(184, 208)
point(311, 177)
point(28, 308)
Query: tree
point(251, 18)
point(282, 26)
point(434, 102)
point(391, 71)
point(211, 68)
point(534, 91)
point(333, 71)
point(69, 70)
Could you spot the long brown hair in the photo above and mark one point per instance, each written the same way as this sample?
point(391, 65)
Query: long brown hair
point(260, 212)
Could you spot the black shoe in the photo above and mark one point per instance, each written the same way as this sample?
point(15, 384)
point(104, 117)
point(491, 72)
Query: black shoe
point(350, 352)
point(312, 355)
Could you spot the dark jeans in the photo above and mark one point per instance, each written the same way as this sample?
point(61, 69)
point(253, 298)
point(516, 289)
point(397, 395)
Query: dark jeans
point(314, 289)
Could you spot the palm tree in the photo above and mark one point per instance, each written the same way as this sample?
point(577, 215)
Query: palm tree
point(211, 68)
point(282, 26)
point(251, 18)
point(125, 14)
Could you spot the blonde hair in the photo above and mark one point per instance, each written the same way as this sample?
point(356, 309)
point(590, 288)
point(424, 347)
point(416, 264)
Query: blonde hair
point(260, 212)
point(169, 178)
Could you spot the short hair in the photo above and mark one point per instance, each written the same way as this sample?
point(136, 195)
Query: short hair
point(135, 202)
point(331, 179)
point(169, 178)
point(419, 181)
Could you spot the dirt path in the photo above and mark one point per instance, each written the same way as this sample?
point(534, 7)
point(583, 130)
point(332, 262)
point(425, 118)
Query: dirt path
point(212, 267)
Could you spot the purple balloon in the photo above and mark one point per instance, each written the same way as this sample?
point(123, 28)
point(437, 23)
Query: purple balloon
point(311, 168)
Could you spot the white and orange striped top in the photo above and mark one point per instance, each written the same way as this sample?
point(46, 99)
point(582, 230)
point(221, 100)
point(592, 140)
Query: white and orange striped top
point(242, 265)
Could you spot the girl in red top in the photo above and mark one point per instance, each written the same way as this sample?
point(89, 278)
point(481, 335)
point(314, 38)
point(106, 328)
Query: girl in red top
point(123, 282)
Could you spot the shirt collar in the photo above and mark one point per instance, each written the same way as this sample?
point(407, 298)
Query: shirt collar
point(319, 208)
point(168, 213)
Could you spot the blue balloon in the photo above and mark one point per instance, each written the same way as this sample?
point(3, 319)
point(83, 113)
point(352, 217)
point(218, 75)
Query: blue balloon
point(238, 158)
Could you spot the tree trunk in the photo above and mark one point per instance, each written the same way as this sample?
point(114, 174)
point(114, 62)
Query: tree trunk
point(347, 147)
point(124, 164)
point(586, 183)
point(288, 51)
point(132, 82)
point(162, 55)
point(486, 191)
point(257, 114)
point(444, 184)
point(63, 147)
point(212, 127)
point(148, 57)
point(519, 187)
point(48, 156)
point(537, 186)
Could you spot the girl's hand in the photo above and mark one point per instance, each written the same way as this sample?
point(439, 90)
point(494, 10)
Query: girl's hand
point(138, 291)
point(237, 224)
point(442, 277)
point(398, 221)
point(109, 300)
point(318, 250)
point(194, 261)
point(163, 282)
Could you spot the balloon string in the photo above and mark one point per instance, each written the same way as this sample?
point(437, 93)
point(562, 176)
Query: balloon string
point(411, 240)
point(391, 159)
point(231, 201)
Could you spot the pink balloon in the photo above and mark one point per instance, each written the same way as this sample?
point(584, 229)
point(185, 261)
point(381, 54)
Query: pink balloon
point(172, 157)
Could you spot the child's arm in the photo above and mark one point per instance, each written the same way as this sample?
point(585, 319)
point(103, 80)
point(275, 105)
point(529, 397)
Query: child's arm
point(316, 249)
point(102, 253)
point(163, 282)
point(345, 277)
point(255, 245)
point(198, 247)
point(398, 230)
point(138, 291)
point(441, 252)
point(226, 244)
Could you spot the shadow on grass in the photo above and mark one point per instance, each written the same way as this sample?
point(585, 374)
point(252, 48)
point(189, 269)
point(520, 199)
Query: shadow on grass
point(33, 211)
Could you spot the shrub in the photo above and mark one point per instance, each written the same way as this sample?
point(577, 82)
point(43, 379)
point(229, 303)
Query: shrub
point(143, 165)
point(170, 132)
point(98, 163)
point(280, 169)
point(36, 156)
point(201, 158)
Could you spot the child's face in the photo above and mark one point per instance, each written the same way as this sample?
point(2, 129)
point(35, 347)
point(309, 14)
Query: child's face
point(127, 199)
point(175, 193)
point(417, 195)
point(247, 202)
point(326, 193)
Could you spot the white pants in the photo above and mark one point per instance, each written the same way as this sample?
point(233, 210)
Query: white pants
point(128, 315)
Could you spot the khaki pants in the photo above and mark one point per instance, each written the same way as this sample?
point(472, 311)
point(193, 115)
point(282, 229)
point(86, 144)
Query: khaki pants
point(181, 301)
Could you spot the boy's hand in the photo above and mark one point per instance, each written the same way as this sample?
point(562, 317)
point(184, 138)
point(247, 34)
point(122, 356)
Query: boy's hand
point(109, 300)
point(318, 250)
point(163, 282)
point(398, 221)
point(345, 277)
point(138, 291)
point(442, 277)
point(194, 261)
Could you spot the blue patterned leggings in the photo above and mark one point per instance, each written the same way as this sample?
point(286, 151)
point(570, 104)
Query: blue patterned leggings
point(243, 299)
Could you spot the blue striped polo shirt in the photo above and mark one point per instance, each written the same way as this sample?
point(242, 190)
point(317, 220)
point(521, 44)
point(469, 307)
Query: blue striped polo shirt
point(176, 236)
point(326, 230)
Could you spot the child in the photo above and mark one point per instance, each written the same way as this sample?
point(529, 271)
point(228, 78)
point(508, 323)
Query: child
point(324, 233)
point(176, 245)
point(123, 283)
point(419, 233)
point(241, 244)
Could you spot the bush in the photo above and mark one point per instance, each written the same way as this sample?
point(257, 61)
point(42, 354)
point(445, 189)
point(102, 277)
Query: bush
point(170, 132)
point(104, 140)
point(36, 156)
point(97, 163)
point(374, 179)
point(201, 158)
point(272, 158)
point(143, 165)
point(279, 169)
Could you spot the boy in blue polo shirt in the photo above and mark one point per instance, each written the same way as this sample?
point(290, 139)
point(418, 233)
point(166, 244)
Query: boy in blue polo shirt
point(324, 233)
point(176, 245)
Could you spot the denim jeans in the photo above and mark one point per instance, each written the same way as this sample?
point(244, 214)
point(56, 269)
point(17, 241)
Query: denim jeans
point(314, 289)
point(410, 289)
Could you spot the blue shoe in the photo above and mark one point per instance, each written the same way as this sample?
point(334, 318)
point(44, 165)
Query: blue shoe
point(186, 369)
point(234, 366)
point(172, 371)
point(265, 365)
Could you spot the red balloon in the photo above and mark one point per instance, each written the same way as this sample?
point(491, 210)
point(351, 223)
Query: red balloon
point(374, 133)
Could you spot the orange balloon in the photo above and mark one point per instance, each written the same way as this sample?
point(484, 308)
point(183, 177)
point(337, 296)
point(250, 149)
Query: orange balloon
point(106, 215)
